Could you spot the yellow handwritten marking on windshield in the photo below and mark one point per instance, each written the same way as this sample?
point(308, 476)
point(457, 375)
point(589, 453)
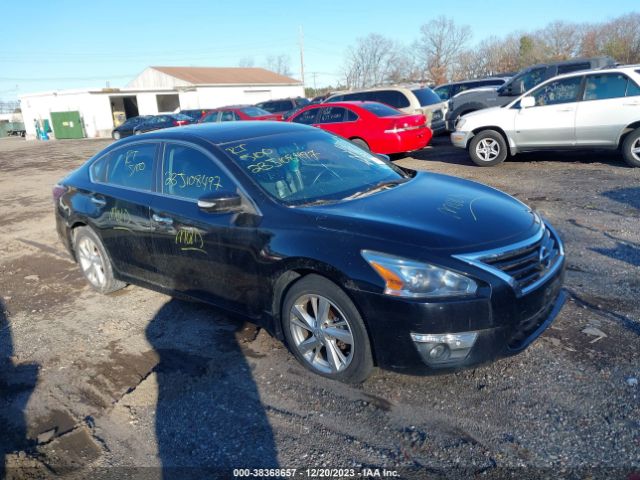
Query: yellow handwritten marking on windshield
point(129, 161)
point(119, 215)
point(277, 162)
point(237, 150)
point(190, 239)
point(182, 180)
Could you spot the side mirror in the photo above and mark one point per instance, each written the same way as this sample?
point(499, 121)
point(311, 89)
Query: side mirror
point(222, 202)
point(527, 102)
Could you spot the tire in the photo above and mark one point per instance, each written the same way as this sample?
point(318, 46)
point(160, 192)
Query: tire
point(330, 353)
point(361, 143)
point(631, 148)
point(116, 135)
point(488, 148)
point(94, 261)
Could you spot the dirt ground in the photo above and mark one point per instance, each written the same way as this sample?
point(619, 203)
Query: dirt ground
point(140, 385)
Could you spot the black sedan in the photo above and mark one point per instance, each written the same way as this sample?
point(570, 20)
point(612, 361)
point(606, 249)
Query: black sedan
point(158, 122)
point(350, 260)
point(126, 129)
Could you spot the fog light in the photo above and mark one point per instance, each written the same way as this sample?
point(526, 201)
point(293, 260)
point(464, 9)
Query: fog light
point(438, 351)
point(445, 349)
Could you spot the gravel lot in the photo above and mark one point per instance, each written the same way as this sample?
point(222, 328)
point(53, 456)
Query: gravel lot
point(121, 385)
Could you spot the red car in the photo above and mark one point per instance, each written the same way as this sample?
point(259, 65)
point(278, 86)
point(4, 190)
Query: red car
point(371, 125)
point(238, 112)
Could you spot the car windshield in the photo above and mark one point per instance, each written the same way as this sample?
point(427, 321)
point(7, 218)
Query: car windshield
point(255, 111)
point(380, 109)
point(311, 167)
point(426, 96)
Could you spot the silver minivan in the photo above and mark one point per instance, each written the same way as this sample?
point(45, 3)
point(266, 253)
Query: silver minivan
point(589, 109)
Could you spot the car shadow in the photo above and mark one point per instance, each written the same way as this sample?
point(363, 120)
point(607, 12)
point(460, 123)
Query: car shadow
point(17, 382)
point(209, 416)
point(628, 196)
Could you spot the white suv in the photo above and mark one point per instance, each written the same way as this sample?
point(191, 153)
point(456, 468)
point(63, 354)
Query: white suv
point(592, 109)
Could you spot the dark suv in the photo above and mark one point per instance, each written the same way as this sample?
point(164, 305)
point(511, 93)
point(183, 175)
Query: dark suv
point(450, 90)
point(467, 102)
point(283, 105)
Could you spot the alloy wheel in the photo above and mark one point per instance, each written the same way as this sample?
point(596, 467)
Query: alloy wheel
point(488, 149)
point(321, 333)
point(91, 262)
point(635, 149)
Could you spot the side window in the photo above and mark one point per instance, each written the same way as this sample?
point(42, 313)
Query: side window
point(351, 116)
point(352, 97)
point(227, 116)
point(442, 92)
point(632, 89)
point(573, 67)
point(337, 98)
point(332, 115)
point(308, 117)
point(130, 166)
point(189, 173)
point(211, 117)
point(390, 97)
point(560, 91)
point(605, 85)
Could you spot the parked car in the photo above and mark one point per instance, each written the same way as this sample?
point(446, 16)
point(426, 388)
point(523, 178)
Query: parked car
point(526, 79)
point(283, 105)
point(593, 109)
point(238, 112)
point(158, 122)
point(195, 114)
point(370, 125)
point(417, 100)
point(126, 129)
point(349, 259)
point(449, 90)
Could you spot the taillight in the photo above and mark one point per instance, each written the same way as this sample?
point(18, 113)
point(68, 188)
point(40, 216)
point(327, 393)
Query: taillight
point(58, 191)
point(179, 123)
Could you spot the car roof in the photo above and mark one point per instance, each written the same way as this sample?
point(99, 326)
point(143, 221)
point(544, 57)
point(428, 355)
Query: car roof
point(221, 133)
point(626, 69)
point(483, 79)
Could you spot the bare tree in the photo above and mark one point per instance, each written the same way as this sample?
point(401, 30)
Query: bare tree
point(560, 40)
point(374, 60)
point(622, 38)
point(440, 45)
point(246, 62)
point(280, 64)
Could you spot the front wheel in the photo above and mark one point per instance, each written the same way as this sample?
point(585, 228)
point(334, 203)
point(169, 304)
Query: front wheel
point(488, 148)
point(325, 331)
point(631, 148)
point(94, 261)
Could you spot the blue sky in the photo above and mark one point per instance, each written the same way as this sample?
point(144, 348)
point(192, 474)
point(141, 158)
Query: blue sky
point(76, 44)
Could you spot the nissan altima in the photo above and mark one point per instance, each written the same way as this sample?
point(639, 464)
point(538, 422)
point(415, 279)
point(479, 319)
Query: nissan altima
point(350, 260)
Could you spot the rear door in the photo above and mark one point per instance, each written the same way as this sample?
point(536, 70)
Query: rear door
point(124, 181)
point(209, 256)
point(340, 121)
point(551, 122)
point(610, 102)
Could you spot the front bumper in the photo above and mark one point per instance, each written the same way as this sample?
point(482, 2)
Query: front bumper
point(505, 324)
point(461, 139)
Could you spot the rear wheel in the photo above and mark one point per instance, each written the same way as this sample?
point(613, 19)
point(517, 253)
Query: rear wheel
point(94, 261)
point(488, 148)
point(325, 331)
point(361, 143)
point(631, 148)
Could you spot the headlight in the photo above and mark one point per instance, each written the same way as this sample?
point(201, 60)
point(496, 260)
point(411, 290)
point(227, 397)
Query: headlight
point(437, 115)
point(408, 278)
point(460, 123)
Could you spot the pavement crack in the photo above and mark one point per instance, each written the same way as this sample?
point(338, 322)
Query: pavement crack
point(626, 322)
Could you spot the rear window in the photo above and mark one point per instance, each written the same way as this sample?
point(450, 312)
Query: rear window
point(182, 116)
point(254, 111)
point(380, 110)
point(426, 96)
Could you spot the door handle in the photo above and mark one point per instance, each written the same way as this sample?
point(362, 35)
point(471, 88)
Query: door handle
point(631, 104)
point(100, 202)
point(565, 110)
point(162, 220)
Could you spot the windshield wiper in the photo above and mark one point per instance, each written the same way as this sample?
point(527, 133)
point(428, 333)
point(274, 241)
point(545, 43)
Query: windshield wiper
point(384, 185)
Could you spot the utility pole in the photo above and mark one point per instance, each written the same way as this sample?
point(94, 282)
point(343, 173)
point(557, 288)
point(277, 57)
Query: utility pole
point(302, 55)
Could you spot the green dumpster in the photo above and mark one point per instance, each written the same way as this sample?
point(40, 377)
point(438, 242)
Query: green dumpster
point(67, 125)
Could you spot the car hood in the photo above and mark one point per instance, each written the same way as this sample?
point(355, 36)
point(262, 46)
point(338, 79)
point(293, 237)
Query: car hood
point(435, 212)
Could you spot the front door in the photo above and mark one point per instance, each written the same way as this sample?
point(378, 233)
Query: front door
point(551, 122)
point(205, 255)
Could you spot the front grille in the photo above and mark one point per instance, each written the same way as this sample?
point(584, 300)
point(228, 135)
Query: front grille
point(525, 265)
point(528, 264)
